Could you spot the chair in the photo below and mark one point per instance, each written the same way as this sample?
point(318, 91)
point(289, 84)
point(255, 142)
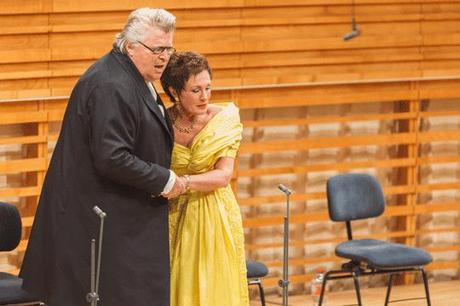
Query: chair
point(360, 196)
point(11, 292)
point(257, 270)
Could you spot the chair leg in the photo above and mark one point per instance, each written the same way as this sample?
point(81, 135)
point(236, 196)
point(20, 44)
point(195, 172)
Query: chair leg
point(390, 285)
point(262, 293)
point(323, 287)
point(358, 294)
point(427, 290)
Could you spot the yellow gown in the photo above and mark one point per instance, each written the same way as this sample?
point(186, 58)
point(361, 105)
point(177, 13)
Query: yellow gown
point(206, 233)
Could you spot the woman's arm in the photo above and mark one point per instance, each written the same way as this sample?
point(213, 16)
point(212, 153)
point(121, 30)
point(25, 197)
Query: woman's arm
point(219, 177)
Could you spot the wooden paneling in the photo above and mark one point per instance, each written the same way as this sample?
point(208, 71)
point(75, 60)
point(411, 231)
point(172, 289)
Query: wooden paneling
point(363, 122)
point(386, 103)
point(249, 42)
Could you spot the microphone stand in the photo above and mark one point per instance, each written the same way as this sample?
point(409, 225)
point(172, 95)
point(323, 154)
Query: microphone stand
point(284, 283)
point(93, 296)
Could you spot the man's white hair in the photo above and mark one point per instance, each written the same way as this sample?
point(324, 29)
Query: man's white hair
point(140, 21)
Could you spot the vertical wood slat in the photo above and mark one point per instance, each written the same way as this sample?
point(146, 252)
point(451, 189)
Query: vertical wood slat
point(412, 176)
point(42, 152)
point(254, 162)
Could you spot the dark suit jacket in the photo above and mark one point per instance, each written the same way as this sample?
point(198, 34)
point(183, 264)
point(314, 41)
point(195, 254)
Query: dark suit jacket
point(114, 151)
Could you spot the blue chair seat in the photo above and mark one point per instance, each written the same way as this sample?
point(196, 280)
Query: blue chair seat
point(383, 255)
point(11, 291)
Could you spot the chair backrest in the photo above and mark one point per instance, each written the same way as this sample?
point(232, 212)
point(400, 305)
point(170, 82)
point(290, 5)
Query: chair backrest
point(10, 227)
point(354, 196)
point(256, 269)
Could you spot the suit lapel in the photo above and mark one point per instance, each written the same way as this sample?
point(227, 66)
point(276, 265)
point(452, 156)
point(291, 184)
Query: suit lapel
point(147, 97)
point(166, 116)
point(154, 107)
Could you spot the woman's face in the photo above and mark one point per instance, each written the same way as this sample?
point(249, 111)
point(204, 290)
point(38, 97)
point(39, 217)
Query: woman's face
point(195, 96)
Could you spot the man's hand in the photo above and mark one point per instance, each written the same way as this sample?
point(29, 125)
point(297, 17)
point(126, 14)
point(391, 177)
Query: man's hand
point(177, 189)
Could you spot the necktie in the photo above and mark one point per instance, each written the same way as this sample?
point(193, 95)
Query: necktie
point(154, 94)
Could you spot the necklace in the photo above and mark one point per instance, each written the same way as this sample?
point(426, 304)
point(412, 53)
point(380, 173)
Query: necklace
point(174, 118)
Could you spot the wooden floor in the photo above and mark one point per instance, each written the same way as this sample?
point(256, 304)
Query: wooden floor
point(442, 294)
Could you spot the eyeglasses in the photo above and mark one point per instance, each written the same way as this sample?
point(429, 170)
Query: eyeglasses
point(159, 50)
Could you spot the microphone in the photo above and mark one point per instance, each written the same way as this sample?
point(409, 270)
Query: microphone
point(355, 31)
point(284, 189)
point(99, 212)
point(354, 27)
point(351, 35)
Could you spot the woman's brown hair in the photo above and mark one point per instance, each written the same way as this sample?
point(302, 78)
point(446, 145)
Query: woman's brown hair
point(182, 66)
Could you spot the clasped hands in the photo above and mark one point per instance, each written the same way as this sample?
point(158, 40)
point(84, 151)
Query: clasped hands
point(180, 187)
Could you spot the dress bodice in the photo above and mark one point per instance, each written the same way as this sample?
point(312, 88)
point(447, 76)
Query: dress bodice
point(220, 137)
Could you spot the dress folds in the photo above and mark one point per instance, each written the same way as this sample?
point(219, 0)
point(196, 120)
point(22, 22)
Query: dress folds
point(206, 234)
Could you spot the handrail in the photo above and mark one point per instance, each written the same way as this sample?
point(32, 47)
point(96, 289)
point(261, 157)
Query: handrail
point(43, 98)
point(284, 85)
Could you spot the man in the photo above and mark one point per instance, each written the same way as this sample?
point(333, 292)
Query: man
point(114, 151)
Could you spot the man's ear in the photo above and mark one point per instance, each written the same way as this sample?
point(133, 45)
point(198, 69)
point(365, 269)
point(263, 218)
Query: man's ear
point(129, 49)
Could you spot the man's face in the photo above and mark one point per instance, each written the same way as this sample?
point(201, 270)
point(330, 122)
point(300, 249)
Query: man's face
point(149, 64)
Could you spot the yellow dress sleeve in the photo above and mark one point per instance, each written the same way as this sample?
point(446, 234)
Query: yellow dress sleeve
point(222, 138)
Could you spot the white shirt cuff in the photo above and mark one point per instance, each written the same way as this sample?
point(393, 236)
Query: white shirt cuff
point(171, 181)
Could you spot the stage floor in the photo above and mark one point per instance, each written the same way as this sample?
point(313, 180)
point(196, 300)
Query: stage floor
point(442, 294)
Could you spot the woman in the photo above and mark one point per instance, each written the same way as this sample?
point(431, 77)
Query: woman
point(206, 234)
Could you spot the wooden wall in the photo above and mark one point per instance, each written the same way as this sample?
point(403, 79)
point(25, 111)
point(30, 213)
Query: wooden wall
point(46, 44)
point(386, 102)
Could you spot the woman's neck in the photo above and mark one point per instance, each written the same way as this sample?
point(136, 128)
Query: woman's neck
point(182, 121)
